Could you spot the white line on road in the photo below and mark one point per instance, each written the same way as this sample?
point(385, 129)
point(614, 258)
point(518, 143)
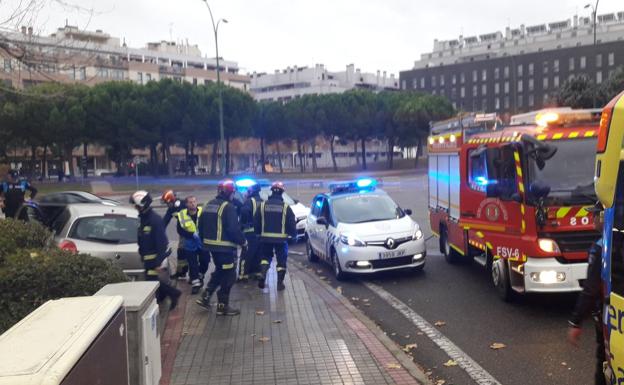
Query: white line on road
point(474, 370)
point(295, 252)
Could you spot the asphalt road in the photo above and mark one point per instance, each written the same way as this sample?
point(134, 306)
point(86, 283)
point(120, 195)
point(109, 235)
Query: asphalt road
point(533, 329)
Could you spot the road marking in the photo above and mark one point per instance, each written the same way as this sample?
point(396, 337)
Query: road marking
point(295, 252)
point(474, 370)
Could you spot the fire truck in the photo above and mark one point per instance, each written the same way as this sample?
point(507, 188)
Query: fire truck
point(609, 177)
point(513, 197)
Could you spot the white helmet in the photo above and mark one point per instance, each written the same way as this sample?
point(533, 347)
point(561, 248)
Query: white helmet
point(141, 199)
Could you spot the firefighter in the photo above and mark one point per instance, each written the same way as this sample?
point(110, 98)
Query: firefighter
point(249, 260)
point(221, 234)
point(274, 223)
point(179, 266)
point(191, 247)
point(590, 301)
point(13, 192)
point(153, 245)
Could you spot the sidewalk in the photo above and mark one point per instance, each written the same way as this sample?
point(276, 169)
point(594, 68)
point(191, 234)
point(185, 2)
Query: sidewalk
point(308, 334)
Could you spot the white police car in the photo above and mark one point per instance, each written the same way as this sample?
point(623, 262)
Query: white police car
point(358, 228)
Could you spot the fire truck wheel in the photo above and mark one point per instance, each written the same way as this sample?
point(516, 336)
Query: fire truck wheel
point(500, 279)
point(450, 254)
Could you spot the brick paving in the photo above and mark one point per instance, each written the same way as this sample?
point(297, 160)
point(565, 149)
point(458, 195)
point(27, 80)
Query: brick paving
point(304, 335)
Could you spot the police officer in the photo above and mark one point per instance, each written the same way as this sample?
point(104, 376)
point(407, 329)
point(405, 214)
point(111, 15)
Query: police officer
point(274, 223)
point(178, 266)
point(13, 191)
point(191, 247)
point(153, 245)
point(221, 233)
point(249, 260)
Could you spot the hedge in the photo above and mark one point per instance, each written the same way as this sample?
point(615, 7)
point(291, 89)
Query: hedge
point(16, 235)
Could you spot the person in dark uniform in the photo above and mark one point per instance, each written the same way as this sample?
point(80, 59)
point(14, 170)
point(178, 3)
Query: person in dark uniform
point(249, 261)
point(221, 234)
point(191, 246)
point(274, 223)
point(13, 192)
point(179, 267)
point(590, 300)
point(153, 245)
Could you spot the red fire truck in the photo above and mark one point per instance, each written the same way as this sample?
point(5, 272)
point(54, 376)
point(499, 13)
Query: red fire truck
point(513, 197)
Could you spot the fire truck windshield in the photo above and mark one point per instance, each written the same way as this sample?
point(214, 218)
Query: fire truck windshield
point(569, 173)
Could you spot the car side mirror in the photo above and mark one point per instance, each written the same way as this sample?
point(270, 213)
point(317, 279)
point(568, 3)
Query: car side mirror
point(408, 211)
point(322, 221)
point(296, 201)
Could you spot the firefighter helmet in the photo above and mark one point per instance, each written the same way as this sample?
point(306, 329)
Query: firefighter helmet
point(226, 187)
point(168, 196)
point(277, 187)
point(141, 199)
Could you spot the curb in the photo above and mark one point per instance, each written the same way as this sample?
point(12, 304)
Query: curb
point(406, 362)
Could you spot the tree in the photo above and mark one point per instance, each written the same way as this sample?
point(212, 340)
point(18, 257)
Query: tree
point(360, 105)
point(614, 85)
point(578, 92)
point(335, 123)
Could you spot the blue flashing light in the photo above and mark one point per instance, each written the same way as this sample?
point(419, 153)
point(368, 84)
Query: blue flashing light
point(366, 182)
point(360, 185)
point(245, 183)
point(482, 181)
point(319, 203)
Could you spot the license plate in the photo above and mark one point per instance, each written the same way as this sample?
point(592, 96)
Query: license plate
point(391, 254)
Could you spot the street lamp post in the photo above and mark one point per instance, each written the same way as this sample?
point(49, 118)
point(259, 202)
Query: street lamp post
point(215, 28)
point(594, 16)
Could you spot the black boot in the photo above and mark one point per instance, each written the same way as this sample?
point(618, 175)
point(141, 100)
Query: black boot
point(225, 309)
point(204, 301)
point(280, 280)
point(263, 273)
point(196, 286)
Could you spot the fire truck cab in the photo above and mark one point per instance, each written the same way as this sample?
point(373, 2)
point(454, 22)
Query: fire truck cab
point(609, 177)
point(513, 197)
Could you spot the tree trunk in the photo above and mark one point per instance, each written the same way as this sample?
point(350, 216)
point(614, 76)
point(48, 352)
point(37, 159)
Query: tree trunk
point(418, 149)
point(213, 160)
point(187, 158)
point(279, 157)
point(390, 152)
point(262, 168)
point(363, 154)
point(313, 144)
point(192, 157)
point(355, 152)
point(85, 155)
point(154, 159)
point(44, 166)
point(169, 160)
point(228, 161)
point(163, 154)
point(333, 153)
point(33, 159)
point(300, 154)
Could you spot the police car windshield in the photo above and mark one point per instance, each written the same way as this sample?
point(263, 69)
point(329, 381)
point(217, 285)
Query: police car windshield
point(266, 192)
point(570, 173)
point(365, 208)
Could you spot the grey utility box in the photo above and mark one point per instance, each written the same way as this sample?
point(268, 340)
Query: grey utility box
point(139, 300)
point(70, 341)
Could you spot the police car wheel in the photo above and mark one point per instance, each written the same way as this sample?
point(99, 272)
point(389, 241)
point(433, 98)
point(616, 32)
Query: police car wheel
point(310, 253)
point(500, 279)
point(340, 275)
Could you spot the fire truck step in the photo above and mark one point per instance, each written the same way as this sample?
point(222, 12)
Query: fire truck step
point(480, 259)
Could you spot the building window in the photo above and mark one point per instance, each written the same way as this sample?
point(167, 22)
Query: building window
point(194, 81)
point(497, 104)
point(454, 93)
point(484, 90)
point(599, 60)
point(484, 105)
point(82, 73)
point(571, 66)
point(545, 67)
point(434, 81)
point(496, 73)
point(474, 76)
point(531, 69)
point(484, 75)
point(583, 62)
point(497, 88)
point(415, 83)
point(520, 86)
point(556, 66)
point(506, 88)
point(422, 82)
point(611, 58)
point(545, 99)
point(531, 84)
point(433, 92)
point(545, 83)
point(598, 77)
point(531, 100)
point(102, 72)
point(556, 81)
point(148, 77)
point(404, 85)
point(520, 100)
point(520, 70)
point(474, 91)
point(140, 77)
point(462, 78)
point(506, 102)
point(441, 80)
point(506, 72)
point(7, 65)
point(454, 79)
point(462, 92)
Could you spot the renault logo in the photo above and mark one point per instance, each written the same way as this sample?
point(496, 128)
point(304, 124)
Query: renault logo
point(390, 243)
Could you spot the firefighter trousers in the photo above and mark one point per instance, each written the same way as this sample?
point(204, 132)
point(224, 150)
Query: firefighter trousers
point(249, 263)
point(224, 275)
point(182, 265)
point(164, 289)
point(281, 254)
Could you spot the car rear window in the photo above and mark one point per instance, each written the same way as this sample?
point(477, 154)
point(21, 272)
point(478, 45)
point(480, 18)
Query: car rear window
point(106, 229)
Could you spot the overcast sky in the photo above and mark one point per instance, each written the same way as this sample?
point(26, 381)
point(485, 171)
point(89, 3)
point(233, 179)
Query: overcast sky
point(264, 35)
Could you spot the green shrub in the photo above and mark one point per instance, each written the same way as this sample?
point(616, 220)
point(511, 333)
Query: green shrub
point(16, 235)
point(30, 278)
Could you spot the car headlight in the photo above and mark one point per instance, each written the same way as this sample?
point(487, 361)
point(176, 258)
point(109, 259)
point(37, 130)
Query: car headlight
point(548, 245)
point(351, 240)
point(418, 234)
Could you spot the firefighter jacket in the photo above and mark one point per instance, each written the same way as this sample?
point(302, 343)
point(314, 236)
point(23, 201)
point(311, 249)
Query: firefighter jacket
point(275, 221)
point(188, 229)
point(248, 212)
point(178, 205)
point(152, 240)
point(219, 228)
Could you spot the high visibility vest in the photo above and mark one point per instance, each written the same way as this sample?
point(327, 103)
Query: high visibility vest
point(186, 222)
point(214, 234)
point(249, 228)
point(273, 220)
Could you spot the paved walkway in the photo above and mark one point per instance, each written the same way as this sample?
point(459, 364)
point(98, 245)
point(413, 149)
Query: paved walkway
point(308, 334)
